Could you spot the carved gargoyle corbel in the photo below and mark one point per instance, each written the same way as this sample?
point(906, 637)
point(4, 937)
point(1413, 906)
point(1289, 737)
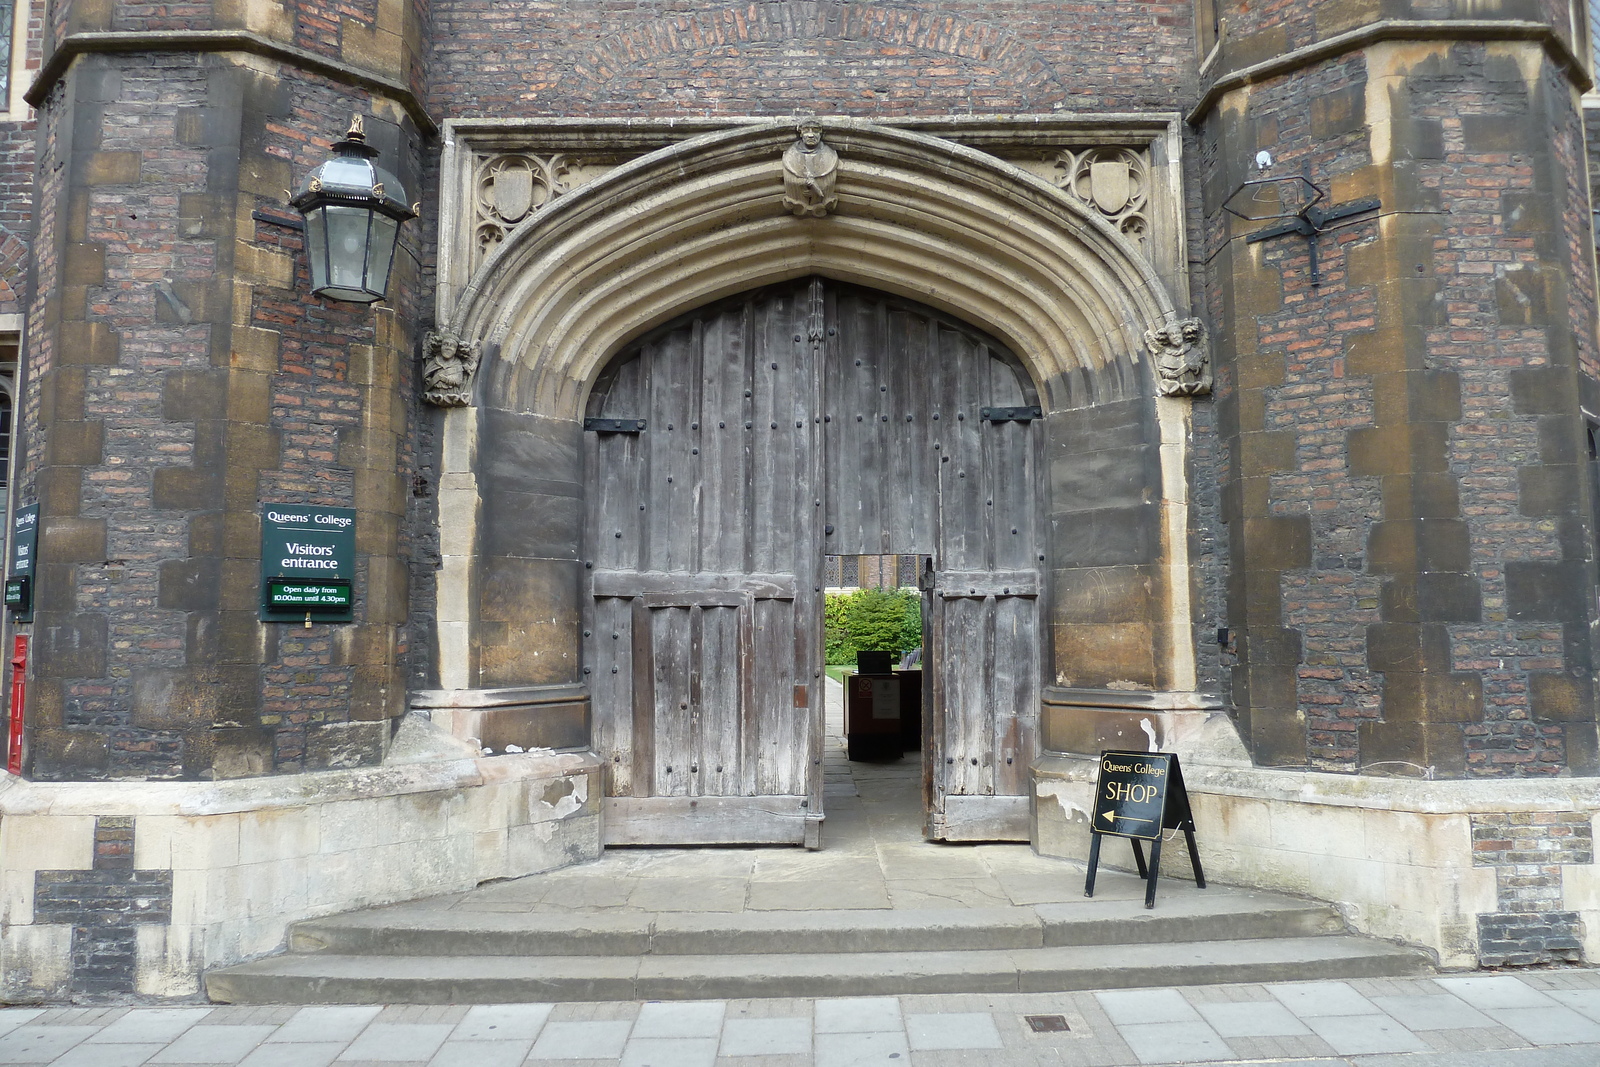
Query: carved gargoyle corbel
point(448, 364)
point(1182, 358)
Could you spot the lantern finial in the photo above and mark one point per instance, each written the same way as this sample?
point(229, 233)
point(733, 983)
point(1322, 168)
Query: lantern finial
point(357, 131)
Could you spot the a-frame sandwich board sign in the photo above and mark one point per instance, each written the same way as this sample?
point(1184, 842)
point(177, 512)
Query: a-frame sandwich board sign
point(1137, 795)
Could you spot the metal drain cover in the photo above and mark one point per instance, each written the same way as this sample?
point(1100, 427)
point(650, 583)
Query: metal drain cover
point(1047, 1024)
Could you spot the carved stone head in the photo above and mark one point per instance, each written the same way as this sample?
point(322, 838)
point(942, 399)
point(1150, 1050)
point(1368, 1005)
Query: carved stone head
point(447, 367)
point(1182, 359)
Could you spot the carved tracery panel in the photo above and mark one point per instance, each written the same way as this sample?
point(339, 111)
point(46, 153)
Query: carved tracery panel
point(1113, 181)
point(509, 188)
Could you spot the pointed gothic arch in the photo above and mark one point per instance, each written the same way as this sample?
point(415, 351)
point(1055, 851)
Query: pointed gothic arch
point(918, 217)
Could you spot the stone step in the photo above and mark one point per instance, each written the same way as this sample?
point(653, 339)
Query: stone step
point(325, 977)
point(422, 930)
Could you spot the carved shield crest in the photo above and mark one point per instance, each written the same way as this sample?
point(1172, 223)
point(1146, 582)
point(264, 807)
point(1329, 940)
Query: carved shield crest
point(513, 191)
point(1111, 185)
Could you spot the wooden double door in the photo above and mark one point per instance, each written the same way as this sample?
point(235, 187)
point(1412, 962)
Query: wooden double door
point(728, 453)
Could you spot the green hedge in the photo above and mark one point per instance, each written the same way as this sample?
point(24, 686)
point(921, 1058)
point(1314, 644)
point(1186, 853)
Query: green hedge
point(871, 619)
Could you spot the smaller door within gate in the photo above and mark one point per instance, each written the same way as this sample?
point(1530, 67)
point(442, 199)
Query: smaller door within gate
point(982, 640)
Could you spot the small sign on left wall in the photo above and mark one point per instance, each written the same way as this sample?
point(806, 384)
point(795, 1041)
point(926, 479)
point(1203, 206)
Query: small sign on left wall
point(20, 573)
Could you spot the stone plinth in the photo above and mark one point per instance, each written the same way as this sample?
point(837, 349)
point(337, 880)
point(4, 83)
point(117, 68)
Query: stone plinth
point(1441, 864)
point(193, 875)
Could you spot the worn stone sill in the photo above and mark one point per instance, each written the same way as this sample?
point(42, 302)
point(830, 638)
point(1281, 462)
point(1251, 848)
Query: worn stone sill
point(18, 796)
point(1418, 796)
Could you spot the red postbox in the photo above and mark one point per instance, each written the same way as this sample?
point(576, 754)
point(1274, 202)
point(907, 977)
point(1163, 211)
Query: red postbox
point(19, 693)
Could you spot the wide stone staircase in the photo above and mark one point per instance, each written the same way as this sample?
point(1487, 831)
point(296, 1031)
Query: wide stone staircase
point(877, 911)
point(423, 954)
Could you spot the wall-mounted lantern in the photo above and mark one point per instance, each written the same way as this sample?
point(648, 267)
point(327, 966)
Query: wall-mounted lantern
point(353, 210)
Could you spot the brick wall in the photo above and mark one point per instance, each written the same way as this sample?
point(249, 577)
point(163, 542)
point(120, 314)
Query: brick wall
point(668, 57)
point(196, 380)
point(1401, 438)
point(105, 906)
point(1320, 603)
point(1528, 851)
point(1257, 31)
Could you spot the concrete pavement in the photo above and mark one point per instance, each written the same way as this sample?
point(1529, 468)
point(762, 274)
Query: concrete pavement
point(1546, 1018)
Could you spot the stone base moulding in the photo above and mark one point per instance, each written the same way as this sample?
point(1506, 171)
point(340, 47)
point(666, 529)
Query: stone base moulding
point(1482, 873)
point(527, 717)
point(141, 886)
point(1094, 720)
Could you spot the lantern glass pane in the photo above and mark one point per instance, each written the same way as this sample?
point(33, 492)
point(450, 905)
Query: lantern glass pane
point(347, 247)
point(317, 248)
point(347, 175)
point(385, 232)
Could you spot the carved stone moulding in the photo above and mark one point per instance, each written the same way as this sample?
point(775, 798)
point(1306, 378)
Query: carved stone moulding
point(448, 363)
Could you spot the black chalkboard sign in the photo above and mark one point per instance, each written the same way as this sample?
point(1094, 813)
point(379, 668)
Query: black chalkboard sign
point(1138, 795)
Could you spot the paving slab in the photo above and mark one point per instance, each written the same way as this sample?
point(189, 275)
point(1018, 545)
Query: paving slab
point(1553, 1025)
point(213, 1044)
point(858, 1015)
point(294, 1054)
point(680, 1019)
point(1355, 1035)
point(41, 1044)
point(1175, 1042)
point(1252, 1019)
point(581, 1040)
point(150, 1025)
point(1310, 999)
point(1432, 1012)
point(1494, 991)
point(502, 1022)
point(341, 1022)
point(955, 1030)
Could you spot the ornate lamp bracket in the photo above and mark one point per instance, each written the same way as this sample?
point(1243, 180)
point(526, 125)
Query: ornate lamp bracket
point(1294, 200)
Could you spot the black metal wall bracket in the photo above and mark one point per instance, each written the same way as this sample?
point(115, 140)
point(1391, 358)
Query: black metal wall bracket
point(1312, 223)
point(1022, 414)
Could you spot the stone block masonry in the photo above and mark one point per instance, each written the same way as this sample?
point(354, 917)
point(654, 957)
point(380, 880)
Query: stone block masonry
point(187, 876)
point(1402, 437)
point(196, 381)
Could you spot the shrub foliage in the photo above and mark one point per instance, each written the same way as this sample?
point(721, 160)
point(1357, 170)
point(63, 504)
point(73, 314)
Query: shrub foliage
point(871, 619)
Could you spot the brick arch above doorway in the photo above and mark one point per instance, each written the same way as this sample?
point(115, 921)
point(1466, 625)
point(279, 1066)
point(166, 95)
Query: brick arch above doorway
point(918, 216)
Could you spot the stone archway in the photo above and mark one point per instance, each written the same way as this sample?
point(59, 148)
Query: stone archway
point(917, 217)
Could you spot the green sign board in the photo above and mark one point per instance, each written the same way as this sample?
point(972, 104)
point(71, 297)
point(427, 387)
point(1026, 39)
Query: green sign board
point(294, 594)
point(24, 547)
point(19, 594)
point(308, 560)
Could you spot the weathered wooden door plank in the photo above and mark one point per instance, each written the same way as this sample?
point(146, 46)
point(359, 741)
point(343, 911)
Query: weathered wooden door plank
point(714, 560)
